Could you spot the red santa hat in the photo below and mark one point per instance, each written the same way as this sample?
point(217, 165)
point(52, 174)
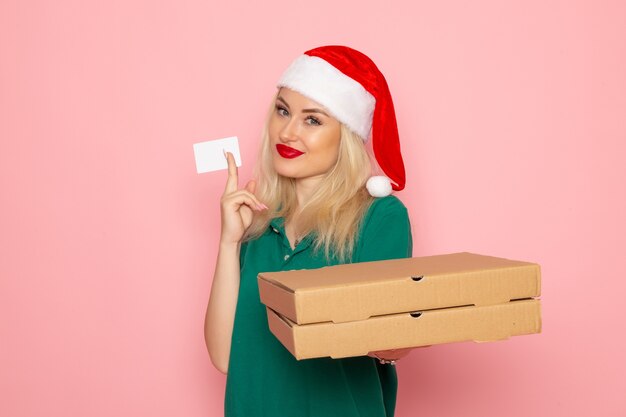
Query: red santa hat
point(355, 92)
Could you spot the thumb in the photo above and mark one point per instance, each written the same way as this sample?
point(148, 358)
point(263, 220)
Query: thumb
point(251, 186)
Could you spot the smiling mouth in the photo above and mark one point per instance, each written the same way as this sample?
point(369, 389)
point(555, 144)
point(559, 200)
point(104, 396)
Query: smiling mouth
point(287, 151)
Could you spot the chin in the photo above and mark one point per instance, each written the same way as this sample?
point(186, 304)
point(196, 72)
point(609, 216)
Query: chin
point(287, 173)
point(282, 170)
point(292, 168)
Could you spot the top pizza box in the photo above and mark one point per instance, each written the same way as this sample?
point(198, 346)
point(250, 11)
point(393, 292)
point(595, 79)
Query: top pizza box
point(351, 292)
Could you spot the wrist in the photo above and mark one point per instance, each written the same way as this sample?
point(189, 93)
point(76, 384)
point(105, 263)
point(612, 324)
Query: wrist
point(226, 245)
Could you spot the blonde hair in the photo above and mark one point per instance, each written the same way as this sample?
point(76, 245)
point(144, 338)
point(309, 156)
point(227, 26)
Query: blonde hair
point(335, 210)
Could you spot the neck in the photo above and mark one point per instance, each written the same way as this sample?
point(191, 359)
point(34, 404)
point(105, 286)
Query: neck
point(305, 187)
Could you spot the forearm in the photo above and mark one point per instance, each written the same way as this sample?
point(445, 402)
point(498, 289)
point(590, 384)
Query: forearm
point(220, 313)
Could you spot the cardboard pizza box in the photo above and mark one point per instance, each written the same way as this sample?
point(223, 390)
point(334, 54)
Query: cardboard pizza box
point(355, 292)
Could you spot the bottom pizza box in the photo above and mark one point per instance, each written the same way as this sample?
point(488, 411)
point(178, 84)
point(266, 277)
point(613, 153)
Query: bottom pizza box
point(418, 328)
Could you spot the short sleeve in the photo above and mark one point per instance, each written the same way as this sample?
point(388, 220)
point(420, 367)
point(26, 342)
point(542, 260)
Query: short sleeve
point(386, 232)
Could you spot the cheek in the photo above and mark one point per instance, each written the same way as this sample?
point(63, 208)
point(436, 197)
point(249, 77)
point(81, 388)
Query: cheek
point(333, 153)
point(331, 145)
point(275, 124)
point(324, 151)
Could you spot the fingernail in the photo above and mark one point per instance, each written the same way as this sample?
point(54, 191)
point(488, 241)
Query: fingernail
point(264, 206)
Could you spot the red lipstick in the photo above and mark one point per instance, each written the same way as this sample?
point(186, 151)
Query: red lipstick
point(287, 151)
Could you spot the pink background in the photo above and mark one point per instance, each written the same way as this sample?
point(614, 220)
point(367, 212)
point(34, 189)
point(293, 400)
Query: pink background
point(512, 119)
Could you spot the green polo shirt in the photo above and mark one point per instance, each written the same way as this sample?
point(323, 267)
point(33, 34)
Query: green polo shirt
point(264, 379)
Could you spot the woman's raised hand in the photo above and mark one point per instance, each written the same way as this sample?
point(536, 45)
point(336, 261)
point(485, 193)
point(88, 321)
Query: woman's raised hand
point(237, 206)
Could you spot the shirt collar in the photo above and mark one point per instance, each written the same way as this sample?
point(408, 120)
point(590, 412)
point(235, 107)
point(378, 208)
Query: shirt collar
point(277, 225)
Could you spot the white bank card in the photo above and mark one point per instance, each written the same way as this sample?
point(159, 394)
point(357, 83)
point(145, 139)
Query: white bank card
point(210, 154)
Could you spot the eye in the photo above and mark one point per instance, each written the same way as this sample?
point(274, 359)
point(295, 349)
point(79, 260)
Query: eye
point(313, 121)
point(282, 111)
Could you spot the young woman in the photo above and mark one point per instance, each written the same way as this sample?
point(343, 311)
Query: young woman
point(312, 206)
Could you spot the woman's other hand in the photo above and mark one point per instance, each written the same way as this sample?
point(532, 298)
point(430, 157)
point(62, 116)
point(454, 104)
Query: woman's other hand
point(237, 205)
point(392, 354)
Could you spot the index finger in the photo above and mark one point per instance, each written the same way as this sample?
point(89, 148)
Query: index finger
point(232, 180)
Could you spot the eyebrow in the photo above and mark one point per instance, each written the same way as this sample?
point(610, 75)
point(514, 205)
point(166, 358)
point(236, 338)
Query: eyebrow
point(314, 110)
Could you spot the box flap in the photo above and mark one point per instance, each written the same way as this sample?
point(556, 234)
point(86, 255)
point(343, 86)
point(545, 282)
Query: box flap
point(364, 272)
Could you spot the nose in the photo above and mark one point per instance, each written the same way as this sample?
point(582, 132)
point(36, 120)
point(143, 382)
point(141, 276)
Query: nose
point(289, 131)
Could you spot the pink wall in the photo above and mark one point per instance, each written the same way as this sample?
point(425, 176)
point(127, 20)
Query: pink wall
point(512, 116)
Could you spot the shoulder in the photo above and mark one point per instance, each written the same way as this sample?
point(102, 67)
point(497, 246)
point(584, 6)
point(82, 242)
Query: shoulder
point(390, 201)
point(385, 232)
point(384, 215)
point(389, 206)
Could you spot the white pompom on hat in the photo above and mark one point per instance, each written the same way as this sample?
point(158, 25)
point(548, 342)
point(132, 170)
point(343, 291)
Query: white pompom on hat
point(355, 92)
